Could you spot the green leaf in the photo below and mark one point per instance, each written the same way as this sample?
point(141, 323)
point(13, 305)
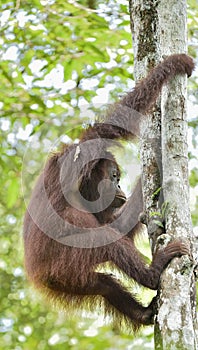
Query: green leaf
point(12, 193)
point(158, 223)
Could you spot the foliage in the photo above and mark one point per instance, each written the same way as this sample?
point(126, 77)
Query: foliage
point(59, 61)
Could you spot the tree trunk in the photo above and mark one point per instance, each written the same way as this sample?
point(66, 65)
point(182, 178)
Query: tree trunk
point(159, 29)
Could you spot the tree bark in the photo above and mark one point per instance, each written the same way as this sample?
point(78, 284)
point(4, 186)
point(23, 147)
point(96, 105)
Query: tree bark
point(176, 321)
point(144, 21)
point(159, 29)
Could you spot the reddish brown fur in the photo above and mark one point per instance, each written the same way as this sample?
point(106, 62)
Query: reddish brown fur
point(67, 273)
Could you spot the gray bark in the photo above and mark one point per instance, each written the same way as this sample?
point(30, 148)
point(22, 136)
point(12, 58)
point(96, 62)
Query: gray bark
point(159, 29)
point(144, 21)
point(177, 308)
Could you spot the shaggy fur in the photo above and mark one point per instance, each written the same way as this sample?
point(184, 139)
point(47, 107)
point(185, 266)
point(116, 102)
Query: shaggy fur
point(67, 272)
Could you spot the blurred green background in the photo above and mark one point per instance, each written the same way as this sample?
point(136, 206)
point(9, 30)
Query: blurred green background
point(59, 61)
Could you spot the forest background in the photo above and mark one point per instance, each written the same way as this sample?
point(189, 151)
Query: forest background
point(61, 62)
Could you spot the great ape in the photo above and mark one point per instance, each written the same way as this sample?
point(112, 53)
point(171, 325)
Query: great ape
point(67, 235)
